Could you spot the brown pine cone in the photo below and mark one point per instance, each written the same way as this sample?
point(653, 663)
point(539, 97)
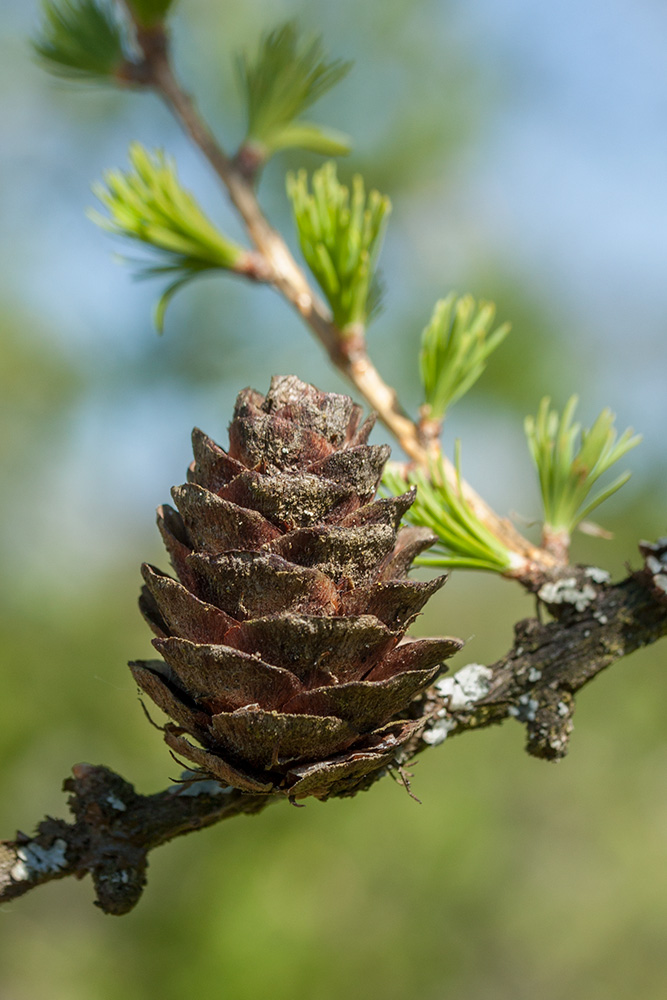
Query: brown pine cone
point(283, 635)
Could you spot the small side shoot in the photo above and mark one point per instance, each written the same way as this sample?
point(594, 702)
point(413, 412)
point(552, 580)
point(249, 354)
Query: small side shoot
point(81, 40)
point(454, 349)
point(464, 541)
point(569, 462)
point(340, 232)
point(148, 204)
point(286, 76)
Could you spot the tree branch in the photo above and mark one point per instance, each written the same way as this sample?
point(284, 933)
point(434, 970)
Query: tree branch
point(347, 352)
point(596, 623)
point(114, 828)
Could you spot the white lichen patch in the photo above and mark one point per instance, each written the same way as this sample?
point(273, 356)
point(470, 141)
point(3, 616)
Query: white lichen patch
point(597, 575)
point(34, 860)
point(468, 686)
point(438, 732)
point(656, 562)
point(658, 567)
point(562, 709)
point(566, 591)
point(534, 675)
point(116, 803)
point(558, 742)
point(655, 565)
point(115, 878)
point(526, 710)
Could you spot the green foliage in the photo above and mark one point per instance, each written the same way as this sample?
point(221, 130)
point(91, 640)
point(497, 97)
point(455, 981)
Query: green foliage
point(288, 74)
point(148, 204)
point(464, 542)
point(569, 461)
point(80, 39)
point(149, 12)
point(340, 236)
point(454, 349)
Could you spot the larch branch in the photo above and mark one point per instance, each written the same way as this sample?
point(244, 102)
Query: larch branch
point(535, 683)
point(347, 353)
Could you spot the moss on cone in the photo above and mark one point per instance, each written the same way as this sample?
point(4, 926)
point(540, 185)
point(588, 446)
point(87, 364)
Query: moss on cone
point(285, 667)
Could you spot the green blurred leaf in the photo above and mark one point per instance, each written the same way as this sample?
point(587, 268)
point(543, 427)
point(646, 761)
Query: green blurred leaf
point(148, 204)
point(340, 233)
point(80, 39)
point(288, 74)
point(454, 349)
point(569, 461)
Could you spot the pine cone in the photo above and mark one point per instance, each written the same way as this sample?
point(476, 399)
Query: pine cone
point(283, 641)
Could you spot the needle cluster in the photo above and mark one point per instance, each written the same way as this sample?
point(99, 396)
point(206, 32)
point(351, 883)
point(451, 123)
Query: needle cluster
point(340, 232)
point(463, 540)
point(148, 204)
point(570, 460)
point(454, 349)
point(80, 40)
point(287, 75)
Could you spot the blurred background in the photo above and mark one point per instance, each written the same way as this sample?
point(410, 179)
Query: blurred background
point(524, 147)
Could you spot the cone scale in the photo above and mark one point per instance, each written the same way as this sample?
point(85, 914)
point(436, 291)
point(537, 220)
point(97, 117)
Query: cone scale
point(285, 667)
